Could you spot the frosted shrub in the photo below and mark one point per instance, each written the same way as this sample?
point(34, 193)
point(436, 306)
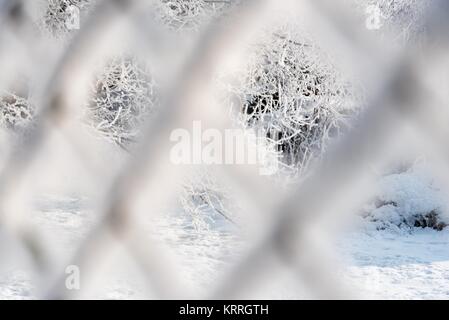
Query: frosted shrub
point(206, 201)
point(404, 19)
point(16, 113)
point(17, 119)
point(291, 91)
point(57, 14)
point(123, 96)
point(187, 15)
point(406, 200)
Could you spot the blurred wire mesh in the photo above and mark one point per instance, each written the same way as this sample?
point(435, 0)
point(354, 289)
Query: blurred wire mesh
point(137, 70)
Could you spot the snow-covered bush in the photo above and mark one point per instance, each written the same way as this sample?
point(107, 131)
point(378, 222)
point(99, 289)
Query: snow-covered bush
point(406, 200)
point(187, 15)
point(123, 96)
point(403, 19)
point(207, 202)
point(17, 119)
point(291, 90)
point(16, 113)
point(58, 14)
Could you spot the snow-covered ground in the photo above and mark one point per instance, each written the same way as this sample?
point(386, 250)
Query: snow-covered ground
point(381, 260)
point(389, 265)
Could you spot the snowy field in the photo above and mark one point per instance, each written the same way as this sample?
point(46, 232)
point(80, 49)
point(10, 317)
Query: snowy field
point(386, 265)
point(379, 261)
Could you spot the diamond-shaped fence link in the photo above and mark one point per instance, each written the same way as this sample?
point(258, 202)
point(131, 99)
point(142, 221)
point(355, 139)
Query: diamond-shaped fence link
point(402, 98)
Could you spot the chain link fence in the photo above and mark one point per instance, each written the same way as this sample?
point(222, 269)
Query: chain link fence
point(285, 225)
